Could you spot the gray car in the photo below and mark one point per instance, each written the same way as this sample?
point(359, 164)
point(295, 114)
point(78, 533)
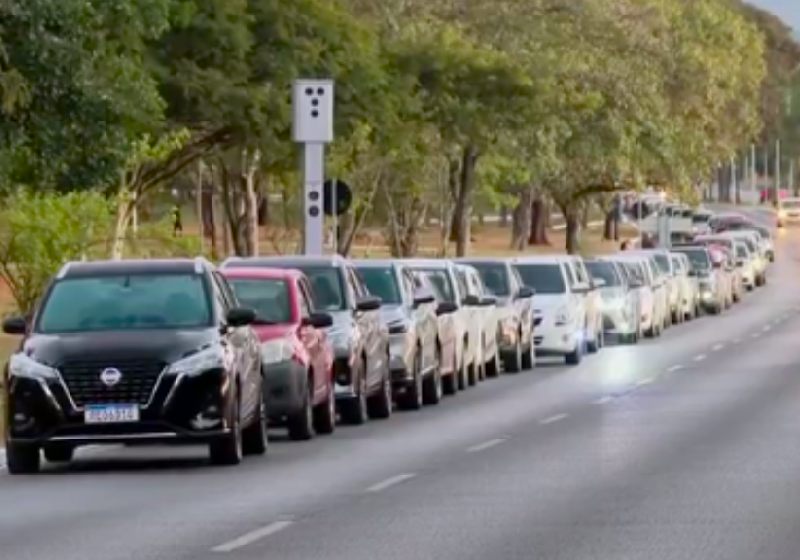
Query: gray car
point(409, 311)
point(359, 337)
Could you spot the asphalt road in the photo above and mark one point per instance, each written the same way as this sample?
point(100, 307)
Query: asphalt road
point(683, 448)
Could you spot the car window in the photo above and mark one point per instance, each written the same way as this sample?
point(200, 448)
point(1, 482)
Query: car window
point(461, 278)
point(495, 277)
point(605, 271)
point(441, 283)
point(327, 287)
point(409, 285)
point(663, 263)
point(126, 302)
point(544, 278)
point(382, 282)
point(305, 298)
point(268, 297)
point(475, 285)
point(570, 274)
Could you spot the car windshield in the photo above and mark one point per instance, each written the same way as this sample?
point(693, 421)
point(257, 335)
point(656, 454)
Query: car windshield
point(268, 297)
point(382, 282)
point(544, 278)
point(326, 283)
point(495, 278)
point(663, 263)
point(605, 271)
point(440, 282)
point(125, 303)
point(698, 258)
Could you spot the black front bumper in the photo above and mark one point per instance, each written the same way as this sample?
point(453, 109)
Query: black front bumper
point(179, 409)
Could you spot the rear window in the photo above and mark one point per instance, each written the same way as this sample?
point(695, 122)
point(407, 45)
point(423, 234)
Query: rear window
point(605, 271)
point(544, 278)
point(381, 282)
point(126, 303)
point(495, 278)
point(268, 297)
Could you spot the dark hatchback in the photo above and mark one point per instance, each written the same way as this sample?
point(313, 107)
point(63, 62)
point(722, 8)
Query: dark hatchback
point(134, 351)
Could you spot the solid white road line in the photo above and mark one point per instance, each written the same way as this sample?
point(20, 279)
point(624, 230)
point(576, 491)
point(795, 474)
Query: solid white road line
point(767, 328)
point(645, 381)
point(553, 419)
point(253, 536)
point(485, 445)
point(700, 358)
point(756, 335)
point(603, 400)
point(674, 368)
point(389, 482)
point(717, 347)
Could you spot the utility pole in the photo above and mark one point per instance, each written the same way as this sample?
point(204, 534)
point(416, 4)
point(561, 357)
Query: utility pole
point(777, 170)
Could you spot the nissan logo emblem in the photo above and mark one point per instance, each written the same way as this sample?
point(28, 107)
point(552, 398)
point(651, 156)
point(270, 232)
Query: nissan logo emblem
point(110, 376)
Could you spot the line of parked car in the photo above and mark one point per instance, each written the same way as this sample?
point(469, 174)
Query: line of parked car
point(180, 351)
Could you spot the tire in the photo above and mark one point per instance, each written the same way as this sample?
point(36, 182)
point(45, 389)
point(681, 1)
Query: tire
point(227, 450)
point(412, 398)
point(325, 413)
point(529, 357)
point(463, 375)
point(473, 374)
point(354, 410)
point(23, 459)
point(301, 422)
point(493, 366)
point(450, 383)
point(254, 438)
point(379, 406)
point(592, 346)
point(58, 453)
point(574, 358)
point(432, 385)
point(513, 364)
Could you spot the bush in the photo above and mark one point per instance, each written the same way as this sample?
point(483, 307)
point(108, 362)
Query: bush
point(41, 231)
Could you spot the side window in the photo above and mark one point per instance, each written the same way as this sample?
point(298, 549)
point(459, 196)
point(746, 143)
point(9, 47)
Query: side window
point(304, 292)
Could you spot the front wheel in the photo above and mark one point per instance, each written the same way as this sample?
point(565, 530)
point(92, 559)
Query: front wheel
point(380, 405)
point(301, 422)
point(325, 413)
point(354, 410)
point(58, 453)
point(493, 366)
point(514, 362)
point(227, 450)
point(432, 386)
point(574, 358)
point(23, 459)
point(529, 357)
point(254, 437)
point(450, 383)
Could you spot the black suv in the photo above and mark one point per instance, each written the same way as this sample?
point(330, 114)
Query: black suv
point(134, 351)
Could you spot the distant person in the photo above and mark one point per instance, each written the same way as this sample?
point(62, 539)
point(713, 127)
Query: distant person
point(177, 223)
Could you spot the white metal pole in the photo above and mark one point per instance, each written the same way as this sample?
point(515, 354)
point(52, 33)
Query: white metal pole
point(334, 205)
point(777, 169)
point(313, 177)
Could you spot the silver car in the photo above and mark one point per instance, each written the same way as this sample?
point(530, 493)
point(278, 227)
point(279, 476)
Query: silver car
point(409, 312)
point(620, 305)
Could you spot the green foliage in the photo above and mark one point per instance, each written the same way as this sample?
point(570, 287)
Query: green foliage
point(42, 231)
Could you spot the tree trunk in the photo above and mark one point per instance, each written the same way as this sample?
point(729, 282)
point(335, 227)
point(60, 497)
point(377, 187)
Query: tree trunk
point(463, 209)
point(539, 221)
point(521, 223)
point(125, 207)
point(250, 200)
point(573, 231)
point(201, 229)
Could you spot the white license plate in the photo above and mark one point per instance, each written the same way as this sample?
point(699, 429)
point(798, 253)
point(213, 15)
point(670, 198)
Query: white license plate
point(110, 413)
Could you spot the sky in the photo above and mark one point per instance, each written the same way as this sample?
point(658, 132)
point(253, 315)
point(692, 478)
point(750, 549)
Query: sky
point(788, 10)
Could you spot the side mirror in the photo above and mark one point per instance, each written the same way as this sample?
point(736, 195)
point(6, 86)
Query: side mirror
point(423, 297)
point(525, 292)
point(240, 317)
point(446, 308)
point(15, 325)
point(318, 321)
point(488, 301)
point(369, 303)
point(472, 300)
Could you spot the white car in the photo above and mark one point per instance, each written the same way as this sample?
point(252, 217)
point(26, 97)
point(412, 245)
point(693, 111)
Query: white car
point(789, 211)
point(582, 283)
point(689, 292)
point(483, 319)
point(636, 275)
point(757, 250)
point(746, 262)
point(656, 321)
point(621, 315)
point(559, 311)
point(671, 284)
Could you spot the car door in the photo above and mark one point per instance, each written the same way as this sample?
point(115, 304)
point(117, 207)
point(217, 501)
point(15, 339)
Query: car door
point(314, 341)
point(524, 305)
point(242, 343)
point(376, 337)
point(577, 294)
point(489, 312)
point(472, 313)
point(424, 317)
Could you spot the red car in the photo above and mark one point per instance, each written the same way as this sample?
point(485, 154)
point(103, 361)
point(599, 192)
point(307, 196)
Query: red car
point(296, 356)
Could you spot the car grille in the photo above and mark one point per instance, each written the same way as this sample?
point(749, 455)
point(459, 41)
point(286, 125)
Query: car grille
point(136, 385)
point(537, 321)
point(537, 340)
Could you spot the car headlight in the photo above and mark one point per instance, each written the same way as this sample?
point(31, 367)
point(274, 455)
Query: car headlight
point(21, 365)
point(562, 317)
point(213, 357)
point(275, 351)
